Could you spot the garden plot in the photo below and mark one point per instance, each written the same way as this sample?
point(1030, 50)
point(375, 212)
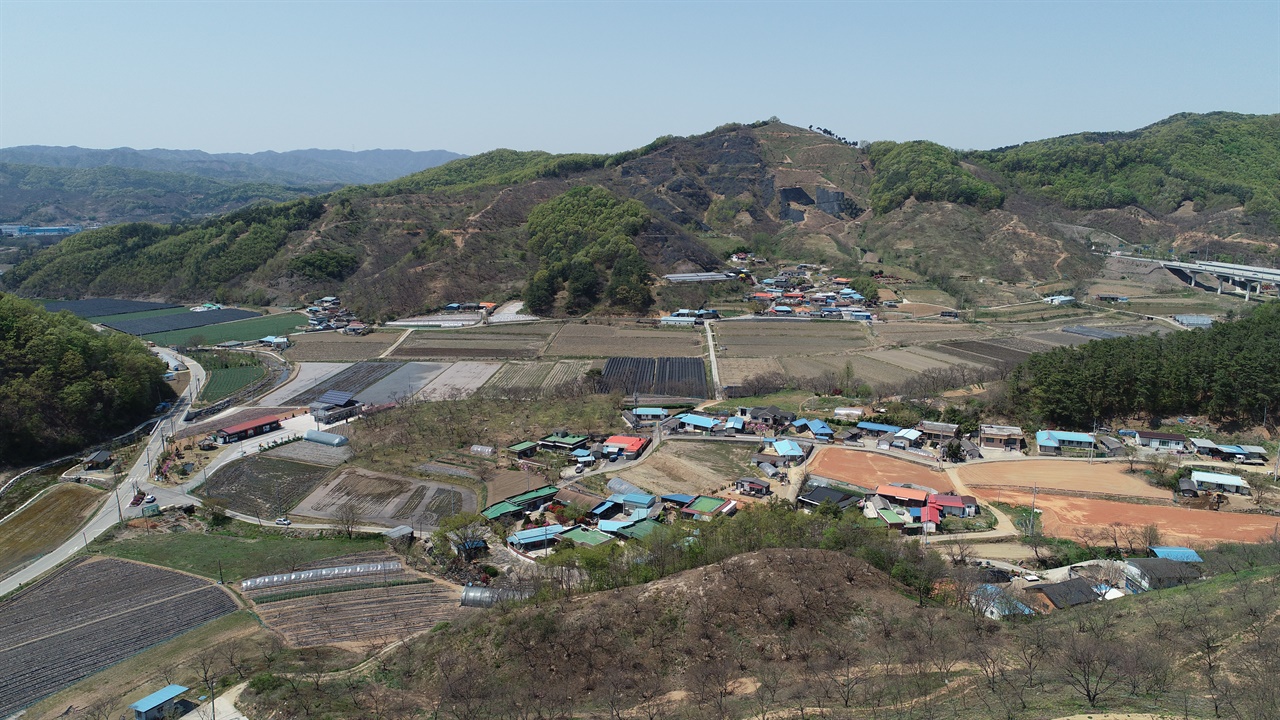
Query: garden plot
point(334, 347)
point(92, 614)
point(773, 338)
point(402, 384)
point(248, 330)
point(371, 615)
point(682, 377)
point(263, 486)
point(179, 321)
point(907, 360)
point(509, 483)
point(733, 371)
point(580, 340)
point(102, 307)
point(225, 382)
point(459, 380)
point(520, 376)
point(309, 375)
point(566, 372)
point(995, 352)
point(354, 379)
point(911, 333)
point(311, 453)
point(390, 500)
point(45, 523)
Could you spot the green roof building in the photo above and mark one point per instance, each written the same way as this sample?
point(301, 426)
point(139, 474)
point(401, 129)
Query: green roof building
point(497, 510)
point(585, 536)
point(524, 449)
point(640, 530)
point(534, 497)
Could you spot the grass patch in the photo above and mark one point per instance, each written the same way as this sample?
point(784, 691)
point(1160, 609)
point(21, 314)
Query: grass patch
point(46, 523)
point(228, 381)
point(247, 329)
point(245, 552)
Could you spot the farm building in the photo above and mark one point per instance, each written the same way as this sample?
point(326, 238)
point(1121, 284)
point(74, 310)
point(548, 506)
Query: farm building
point(626, 446)
point(820, 494)
point(1255, 452)
point(640, 530)
point(1110, 298)
point(648, 416)
point(706, 507)
point(248, 429)
point(1004, 437)
point(971, 451)
point(954, 505)
point(1058, 442)
point(1143, 574)
point(334, 405)
point(583, 457)
point(907, 497)
point(698, 277)
point(324, 438)
point(938, 431)
point(819, 429)
point(907, 437)
point(995, 603)
point(1109, 446)
point(875, 429)
point(848, 413)
point(1059, 300)
point(99, 460)
point(1187, 487)
point(1193, 321)
point(158, 704)
point(696, 423)
point(482, 450)
point(275, 342)
point(771, 415)
point(858, 316)
point(1060, 596)
point(523, 449)
point(485, 597)
point(753, 487)
point(679, 321)
point(1174, 552)
point(1162, 440)
point(562, 441)
point(1219, 482)
point(534, 538)
point(535, 498)
point(585, 536)
point(789, 450)
point(500, 510)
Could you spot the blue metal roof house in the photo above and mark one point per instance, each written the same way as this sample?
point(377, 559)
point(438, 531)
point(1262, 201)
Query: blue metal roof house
point(697, 422)
point(821, 430)
point(535, 538)
point(1054, 442)
point(878, 428)
point(788, 449)
point(158, 704)
point(1173, 552)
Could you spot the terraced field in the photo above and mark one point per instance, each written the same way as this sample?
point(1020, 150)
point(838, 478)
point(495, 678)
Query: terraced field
point(90, 615)
point(781, 339)
point(373, 615)
point(449, 345)
point(354, 379)
point(334, 347)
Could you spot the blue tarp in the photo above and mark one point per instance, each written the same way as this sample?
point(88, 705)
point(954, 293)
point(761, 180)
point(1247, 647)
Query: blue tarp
point(1232, 449)
point(603, 507)
point(1181, 554)
point(158, 698)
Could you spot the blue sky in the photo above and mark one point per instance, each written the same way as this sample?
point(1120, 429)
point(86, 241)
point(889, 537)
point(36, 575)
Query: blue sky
point(597, 76)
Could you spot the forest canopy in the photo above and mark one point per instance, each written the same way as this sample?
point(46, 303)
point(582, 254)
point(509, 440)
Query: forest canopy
point(63, 385)
point(928, 172)
point(1230, 371)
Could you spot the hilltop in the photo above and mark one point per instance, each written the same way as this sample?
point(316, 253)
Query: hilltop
point(461, 230)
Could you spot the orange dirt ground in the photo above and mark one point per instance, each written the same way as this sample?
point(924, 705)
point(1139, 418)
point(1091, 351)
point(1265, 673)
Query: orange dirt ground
point(868, 470)
point(1064, 515)
point(1102, 478)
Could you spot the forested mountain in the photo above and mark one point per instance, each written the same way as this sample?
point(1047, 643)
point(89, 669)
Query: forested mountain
point(470, 229)
point(64, 386)
point(33, 195)
point(295, 167)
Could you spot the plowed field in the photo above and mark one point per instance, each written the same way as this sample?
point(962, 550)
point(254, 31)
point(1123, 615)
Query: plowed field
point(1048, 474)
point(867, 470)
point(577, 340)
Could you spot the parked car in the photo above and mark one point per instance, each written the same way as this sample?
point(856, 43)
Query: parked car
point(284, 521)
point(149, 499)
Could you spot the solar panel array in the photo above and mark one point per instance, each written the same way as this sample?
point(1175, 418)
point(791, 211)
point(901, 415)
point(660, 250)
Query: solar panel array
point(332, 573)
point(100, 307)
point(179, 321)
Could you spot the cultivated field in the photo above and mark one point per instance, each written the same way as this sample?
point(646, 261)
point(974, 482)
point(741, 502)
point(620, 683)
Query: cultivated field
point(245, 330)
point(224, 382)
point(154, 324)
point(311, 453)
point(579, 340)
point(388, 499)
point(45, 524)
point(911, 333)
point(459, 380)
point(1049, 475)
point(474, 344)
point(335, 347)
point(783, 339)
point(401, 384)
point(906, 359)
point(1065, 517)
point(103, 307)
point(309, 374)
point(692, 467)
point(353, 379)
point(733, 371)
point(509, 483)
point(867, 470)
point(994, 353)
point(677, 377)
point(520, 376)
point(566, 372)
point(262, 486)
point(108, 319)
point(374, 615)
point(90, 615)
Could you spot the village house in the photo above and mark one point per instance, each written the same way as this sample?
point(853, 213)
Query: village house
point(904, 496)
point(1220, 482)
point(1144, 574)
point(644, 416)
point(1109, 446)
point(1059, 442)
point(706, 507)
point(906, 437)
point(1169, 442)
point(625, 446)
point(563, 441)
point(523, 449)
point(788, 451)
point(533, 539)
point(1001, 437)
point(955, 505)
point(874, 429)
point(819, 429)
point(689, 422)
point(1049, 597)
point(820, 494)
point(752, 487)
point(1176, 552)
point(996, 603)
point(938, 432)
point(771, 415)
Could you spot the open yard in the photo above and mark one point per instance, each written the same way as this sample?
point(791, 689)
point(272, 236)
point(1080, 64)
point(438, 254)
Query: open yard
point(1065, 516)
point(224, 382)
point(45, 523)
point(1050, 474)
point(372, 615)
point(388, 499)
point(335, 347)
point(580, 340)
point(868, 469)
point(88, 616)
point(692, 467)
point(245, 330)
point(261, 486)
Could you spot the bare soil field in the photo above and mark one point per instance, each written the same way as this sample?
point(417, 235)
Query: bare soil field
point(1056, 474)
point(965, 356)
point(921, 309)
point(369, 616)
point(353, 379)
point(579, 340)
point(907, 360)
point(1057, 338)
point(935, 352)
point(459, 380)
point(262, 486)
point(692, 467)
point(311, 453)
point(771, 338)
point(45, 523)
point(509, 483)
point(998, 353)
point(401, 384)
point(523, 375)
point(1024, 343)
point(867, 470)
point(334, 347)
point(307, 376)
point(911, 333)
point(390, 500)
point(929, 296)
point(425, 344)
point(734, 370)
point(1063, 516)
point(566, 372)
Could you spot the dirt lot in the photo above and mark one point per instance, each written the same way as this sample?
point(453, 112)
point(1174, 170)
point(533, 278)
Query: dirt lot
point(578, 340)
point(1049, 474)
point(692, 467)
point(386, 499)
point(333, 347)
point(867, 470)
point(45, 523)
point(1063, 516)
point(262, 486)
point(460, 379)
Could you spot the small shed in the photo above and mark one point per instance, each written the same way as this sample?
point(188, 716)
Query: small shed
point(523, 449)
point(158, 704)
point(98, 461)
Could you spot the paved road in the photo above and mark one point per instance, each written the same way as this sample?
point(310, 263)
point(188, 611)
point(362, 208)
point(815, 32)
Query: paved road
point(716, 390)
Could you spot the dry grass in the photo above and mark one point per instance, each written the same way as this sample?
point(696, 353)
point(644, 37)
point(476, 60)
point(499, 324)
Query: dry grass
point(45, 523)
point(734, 370)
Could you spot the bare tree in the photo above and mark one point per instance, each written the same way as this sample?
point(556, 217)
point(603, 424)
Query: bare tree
point(348, 516)
point(208, 668)
point(1087, 665)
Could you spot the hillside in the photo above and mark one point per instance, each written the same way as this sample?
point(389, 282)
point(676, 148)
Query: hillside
point(33, 195)
point(459, 231)
point(295, 167)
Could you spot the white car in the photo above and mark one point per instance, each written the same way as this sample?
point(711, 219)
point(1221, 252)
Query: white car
point(284, 521)
point(149, 499)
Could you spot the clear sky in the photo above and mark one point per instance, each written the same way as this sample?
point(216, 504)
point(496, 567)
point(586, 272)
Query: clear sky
point(608, 76)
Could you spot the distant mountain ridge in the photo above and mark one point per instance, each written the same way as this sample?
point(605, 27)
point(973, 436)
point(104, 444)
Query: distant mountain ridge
point(294, 167)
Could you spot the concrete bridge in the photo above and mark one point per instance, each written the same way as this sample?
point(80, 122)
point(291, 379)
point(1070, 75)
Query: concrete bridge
point(1247, 279)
